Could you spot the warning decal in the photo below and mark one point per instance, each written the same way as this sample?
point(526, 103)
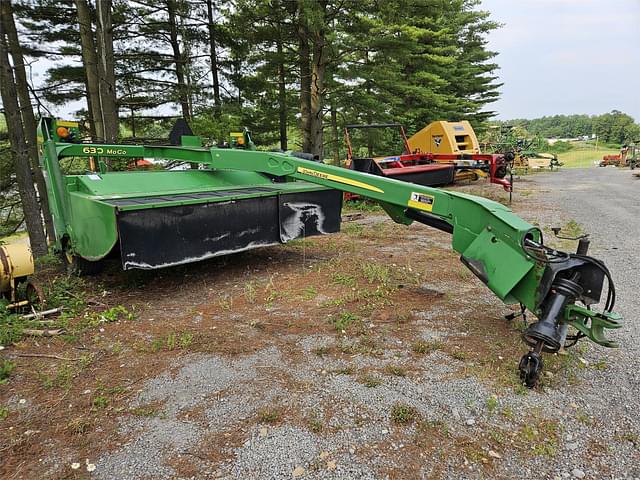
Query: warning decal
point(421, 201)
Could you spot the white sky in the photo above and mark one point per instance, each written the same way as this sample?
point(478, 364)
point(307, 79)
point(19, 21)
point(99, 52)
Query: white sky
point(566, 56)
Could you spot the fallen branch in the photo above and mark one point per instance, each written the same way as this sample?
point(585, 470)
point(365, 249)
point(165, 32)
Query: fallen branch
point(43, 355)
point(41, 314)
point(42, 333)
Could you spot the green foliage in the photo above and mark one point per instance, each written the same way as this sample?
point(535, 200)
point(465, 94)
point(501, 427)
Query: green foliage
point(369, 380)
point(403, 414)
point(423, 347)
point(614, 128)
point(6, 368)
point(558, 147)
point(342, 322)
point(172, 341)
point(269, 415)
point(100, 402)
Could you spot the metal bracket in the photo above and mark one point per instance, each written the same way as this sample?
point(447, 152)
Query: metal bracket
point(592, 324)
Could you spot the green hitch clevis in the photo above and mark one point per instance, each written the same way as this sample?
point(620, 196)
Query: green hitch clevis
point(592, 324)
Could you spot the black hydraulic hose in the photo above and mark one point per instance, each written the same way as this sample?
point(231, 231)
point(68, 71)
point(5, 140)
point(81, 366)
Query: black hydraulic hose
point(528, 245)
point(429, 220)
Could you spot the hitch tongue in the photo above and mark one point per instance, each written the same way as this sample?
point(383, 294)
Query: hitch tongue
point(550, 332)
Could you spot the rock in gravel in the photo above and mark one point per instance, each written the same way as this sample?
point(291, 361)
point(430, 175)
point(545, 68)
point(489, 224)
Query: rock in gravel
point(263, 432)
point(572, 446)
point(331, 465)
point(471, 421)
point(576, 472)
point(297, 472)
point(494, 454)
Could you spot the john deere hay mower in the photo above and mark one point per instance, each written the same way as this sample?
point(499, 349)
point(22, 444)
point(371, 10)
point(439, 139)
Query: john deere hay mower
point(244, 199)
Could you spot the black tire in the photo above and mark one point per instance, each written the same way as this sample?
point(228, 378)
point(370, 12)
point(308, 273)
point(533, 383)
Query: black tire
point(80, 266)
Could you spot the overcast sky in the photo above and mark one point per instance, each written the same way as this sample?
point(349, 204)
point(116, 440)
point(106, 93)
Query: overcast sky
point(566, 56)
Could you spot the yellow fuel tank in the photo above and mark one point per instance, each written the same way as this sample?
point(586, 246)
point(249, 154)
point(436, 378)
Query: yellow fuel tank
point(16, 261)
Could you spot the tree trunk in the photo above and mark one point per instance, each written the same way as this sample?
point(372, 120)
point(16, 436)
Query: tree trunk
point(213, 54)
point(107, 85)
point(20, 150)
point(304, 62)
point(317, 94)
point(318, 70)
point(28, 119)
point(282, 97)
point(178, 60)
point(90, 62)
point(335, 133)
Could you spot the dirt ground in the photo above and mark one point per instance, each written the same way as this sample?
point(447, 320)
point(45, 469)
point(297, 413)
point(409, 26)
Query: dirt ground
point(373, 353)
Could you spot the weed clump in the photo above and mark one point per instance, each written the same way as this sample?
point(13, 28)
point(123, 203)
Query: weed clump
point(403, 414)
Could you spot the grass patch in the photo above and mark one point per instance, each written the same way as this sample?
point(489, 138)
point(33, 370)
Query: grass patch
point(541, 437)
point(4, 413)
point(78, 426)
point(309, 293)
point(67, 292)
point(403, 414)
point(145, 412)
point(172, 341)
point(344, 320)
point(315, 423)
point(345, 371)
point(100, 402)
point(584, 156)
point(423, 347)
point(369, 380)
point(61, 378)
point(269, 415)
point(6, 369)
point(459, 355)
point(492, 403)
point(343, 279)
point(361, 206)
point(364, 346)
point(396, 370)
point(375, 272)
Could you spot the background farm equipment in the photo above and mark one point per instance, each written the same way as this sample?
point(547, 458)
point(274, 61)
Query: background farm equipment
point(524, 151)
point(417, 165)
point(629, 156)
point(408, 167)
point(244, 199)
point(456, 143)
point(16, 264)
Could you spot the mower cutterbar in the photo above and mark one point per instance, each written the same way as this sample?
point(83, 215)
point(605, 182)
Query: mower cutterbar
point(160, 218)
point(290, 197)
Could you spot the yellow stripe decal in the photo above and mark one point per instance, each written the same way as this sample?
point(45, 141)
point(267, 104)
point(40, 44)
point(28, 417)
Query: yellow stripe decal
point(65, 123)
point(421, 201)
point(337, 178)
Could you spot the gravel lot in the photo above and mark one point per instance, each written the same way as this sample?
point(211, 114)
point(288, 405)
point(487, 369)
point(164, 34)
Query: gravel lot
point(423, 385)
point(596, 418)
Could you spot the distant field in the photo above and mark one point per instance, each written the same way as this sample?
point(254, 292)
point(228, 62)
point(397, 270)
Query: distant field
point(584, 156)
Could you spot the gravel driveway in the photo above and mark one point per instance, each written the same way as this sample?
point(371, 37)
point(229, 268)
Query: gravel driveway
point(583, 425)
